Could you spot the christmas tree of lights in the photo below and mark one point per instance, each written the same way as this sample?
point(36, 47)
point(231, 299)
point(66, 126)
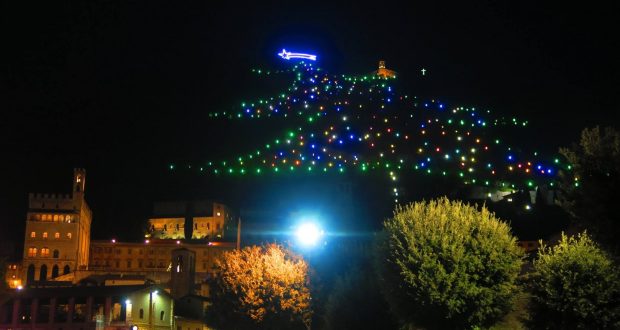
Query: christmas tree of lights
point(363, 123)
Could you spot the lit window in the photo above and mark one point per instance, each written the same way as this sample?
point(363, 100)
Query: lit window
point(69, 235)
point(32, 252)
point(33, 234)
point(45, 252)
point(57, 235)
point(55, 217)
point(44, 234)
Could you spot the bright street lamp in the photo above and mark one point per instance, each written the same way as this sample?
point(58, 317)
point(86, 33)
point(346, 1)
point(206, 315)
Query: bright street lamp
point(308, 234)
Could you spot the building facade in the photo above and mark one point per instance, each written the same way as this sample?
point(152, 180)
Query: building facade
point(190, 219)
point(57, 237)
point(148, 307)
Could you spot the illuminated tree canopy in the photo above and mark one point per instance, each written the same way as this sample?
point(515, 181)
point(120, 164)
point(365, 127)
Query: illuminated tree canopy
point(446, 265)
point(260, 287)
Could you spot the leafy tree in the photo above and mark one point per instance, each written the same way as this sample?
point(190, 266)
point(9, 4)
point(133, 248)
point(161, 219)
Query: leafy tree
point(445, 264)
point(260, 287)
point(356, 303)
point(589, 190)
point(575, 285)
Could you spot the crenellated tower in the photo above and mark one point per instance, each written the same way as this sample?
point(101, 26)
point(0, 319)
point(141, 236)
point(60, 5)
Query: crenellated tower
point(57, 238)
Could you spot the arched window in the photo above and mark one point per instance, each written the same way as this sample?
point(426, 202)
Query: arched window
point(55, 271)
point(30, 274)
point(161, 316)
point(57, 235)
point(43, 273)
point(55, 217)
point(44, 234)
point(69, 235)
point(33, 234)
point(32, 252)
point(66, 270)
point(141, 313)
point(56, 254)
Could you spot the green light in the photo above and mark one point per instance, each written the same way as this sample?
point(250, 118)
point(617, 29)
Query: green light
point(258, 171)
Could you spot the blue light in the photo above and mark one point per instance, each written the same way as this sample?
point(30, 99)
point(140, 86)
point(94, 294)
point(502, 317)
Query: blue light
point(290, 55)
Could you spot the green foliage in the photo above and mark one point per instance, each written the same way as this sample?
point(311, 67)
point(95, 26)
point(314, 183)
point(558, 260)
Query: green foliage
point(356, 303)
point(575, 286)
point(588, 191)
point(260, 287)
point(445, 264)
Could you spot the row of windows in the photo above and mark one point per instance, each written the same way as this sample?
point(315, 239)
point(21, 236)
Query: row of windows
point(109, 250)
point(55, 217)
point(44, 252)
point(33, 234)
point(140, 264)
point(129, 264)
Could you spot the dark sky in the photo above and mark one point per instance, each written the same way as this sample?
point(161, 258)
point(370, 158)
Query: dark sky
point(124, 88)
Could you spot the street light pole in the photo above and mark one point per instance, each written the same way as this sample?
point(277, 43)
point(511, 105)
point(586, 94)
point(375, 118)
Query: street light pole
point(150, 310)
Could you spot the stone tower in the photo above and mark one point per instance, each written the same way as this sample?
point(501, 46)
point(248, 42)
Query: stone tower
point(183, 272)
point(57, 238)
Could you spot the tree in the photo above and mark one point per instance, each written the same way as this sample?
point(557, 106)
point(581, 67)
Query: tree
point(356, 303)
point(445, 264)
point(589, 190)
point(260, 287)
point(575, 285)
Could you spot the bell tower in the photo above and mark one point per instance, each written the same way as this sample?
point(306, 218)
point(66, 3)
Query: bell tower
point(79, 181)
point(183, 272)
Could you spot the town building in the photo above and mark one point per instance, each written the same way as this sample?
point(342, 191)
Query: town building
point(57, 237)
point(85, 307)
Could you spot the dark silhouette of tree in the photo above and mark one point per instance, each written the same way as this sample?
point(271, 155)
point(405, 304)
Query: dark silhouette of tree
point(589, 190)
point(356, 302)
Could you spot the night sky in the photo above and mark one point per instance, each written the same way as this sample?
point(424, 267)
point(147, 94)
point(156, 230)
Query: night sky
point(124, 88)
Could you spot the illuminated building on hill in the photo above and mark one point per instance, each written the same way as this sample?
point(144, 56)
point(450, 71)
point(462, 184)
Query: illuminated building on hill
point(384, 72)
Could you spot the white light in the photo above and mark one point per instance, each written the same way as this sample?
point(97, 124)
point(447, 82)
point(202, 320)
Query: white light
point(127, 302)
point(155, 292)
point(290, 55)
point(19, 287)
point(308, 233)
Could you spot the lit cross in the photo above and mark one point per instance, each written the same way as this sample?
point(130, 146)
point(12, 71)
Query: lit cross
point(423, 71)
